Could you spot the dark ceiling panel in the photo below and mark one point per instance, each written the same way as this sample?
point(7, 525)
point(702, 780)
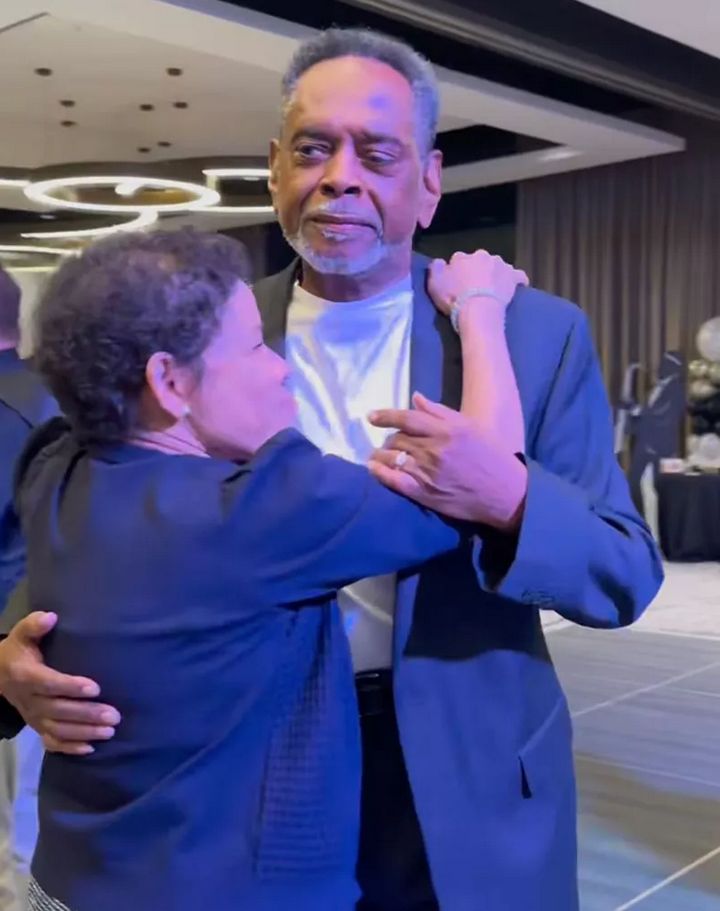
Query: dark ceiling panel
point(452, 54)
point(591, 31)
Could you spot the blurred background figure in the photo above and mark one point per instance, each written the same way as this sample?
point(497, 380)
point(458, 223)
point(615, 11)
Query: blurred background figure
point(24, 403)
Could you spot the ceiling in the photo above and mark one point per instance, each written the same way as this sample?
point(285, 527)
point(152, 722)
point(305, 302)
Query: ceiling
point(695, 23)
point(109, 74)
point(111, 58)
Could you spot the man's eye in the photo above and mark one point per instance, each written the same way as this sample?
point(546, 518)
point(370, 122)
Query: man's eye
point(379, 157)
point(311, 150)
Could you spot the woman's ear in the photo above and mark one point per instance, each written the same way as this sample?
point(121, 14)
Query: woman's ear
point(168, 385)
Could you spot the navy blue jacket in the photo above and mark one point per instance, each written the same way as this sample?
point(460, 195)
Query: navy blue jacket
point(199, 593)
point(483, 722)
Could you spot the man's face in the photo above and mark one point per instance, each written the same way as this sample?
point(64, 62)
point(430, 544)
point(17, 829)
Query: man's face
point(348, 179)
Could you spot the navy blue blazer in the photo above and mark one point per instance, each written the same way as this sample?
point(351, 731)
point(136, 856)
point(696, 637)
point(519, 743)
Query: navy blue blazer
point(484, 725)
point(200, 594)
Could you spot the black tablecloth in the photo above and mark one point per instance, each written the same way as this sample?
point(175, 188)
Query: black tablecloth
point(689, 516)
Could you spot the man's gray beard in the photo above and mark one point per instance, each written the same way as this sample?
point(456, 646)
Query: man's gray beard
point(338, 265)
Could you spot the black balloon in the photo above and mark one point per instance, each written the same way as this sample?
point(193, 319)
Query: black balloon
point(701, 425)
point(712, 406)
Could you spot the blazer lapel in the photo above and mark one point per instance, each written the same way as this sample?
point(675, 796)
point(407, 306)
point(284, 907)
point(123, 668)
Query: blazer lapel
point(435, 354)
point(273, 297)
point(436, 372)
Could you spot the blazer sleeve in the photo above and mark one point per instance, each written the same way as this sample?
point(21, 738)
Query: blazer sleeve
point(319, 522)
point(582, 550)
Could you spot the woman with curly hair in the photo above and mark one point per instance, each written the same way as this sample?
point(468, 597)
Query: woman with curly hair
point(191, 543)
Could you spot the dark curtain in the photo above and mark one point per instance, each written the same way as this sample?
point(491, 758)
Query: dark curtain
point(636, 245)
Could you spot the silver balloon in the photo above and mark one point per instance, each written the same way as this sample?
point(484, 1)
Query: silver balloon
point(701, 389)
point(713, 374)
point(708, 339)
point(709, 447)
point(698, 370)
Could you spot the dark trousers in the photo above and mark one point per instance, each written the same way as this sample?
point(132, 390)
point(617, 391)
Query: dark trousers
point(392, 869)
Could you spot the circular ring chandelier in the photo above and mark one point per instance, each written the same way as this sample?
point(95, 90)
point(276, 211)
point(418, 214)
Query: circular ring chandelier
point(22, 249)
point(142, 220)
point(42, 192)
point(123, 196)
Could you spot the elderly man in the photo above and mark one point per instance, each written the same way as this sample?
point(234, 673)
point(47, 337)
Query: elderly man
point(468, 789)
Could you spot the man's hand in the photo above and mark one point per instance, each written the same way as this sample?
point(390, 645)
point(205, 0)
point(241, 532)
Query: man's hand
point(52, 703)
point(440, 459)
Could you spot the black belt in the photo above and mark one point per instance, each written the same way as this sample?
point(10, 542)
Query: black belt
point(374, 692)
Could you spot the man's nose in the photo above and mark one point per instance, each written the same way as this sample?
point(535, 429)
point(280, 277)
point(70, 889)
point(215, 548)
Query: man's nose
point(342, 175)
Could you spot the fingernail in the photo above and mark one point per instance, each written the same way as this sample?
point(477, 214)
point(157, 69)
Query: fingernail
point(106, 733)
point(372, 416)
point(109, 717)
point(85, 751)
point(90, 689)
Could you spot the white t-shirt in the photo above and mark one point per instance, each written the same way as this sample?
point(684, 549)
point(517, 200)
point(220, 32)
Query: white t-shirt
point(347, 359)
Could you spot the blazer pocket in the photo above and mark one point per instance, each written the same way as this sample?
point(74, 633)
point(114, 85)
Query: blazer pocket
point(546, 759)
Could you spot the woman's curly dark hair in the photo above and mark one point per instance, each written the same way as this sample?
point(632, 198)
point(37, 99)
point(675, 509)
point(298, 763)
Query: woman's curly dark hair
point(107, 311)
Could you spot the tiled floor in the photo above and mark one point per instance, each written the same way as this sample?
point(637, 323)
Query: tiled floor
point(646, 703)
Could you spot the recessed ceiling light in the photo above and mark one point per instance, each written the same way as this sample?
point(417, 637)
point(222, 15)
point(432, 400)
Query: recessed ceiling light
point(43, 71)
point(46, 216)
point(237, 210)
point(68, 123)
point(147, 107)
point(164, 144)
point(143, 149)
point(67, 103)
point(559, 153)
point(182, 105)
point(247, 173)
point(174, 71)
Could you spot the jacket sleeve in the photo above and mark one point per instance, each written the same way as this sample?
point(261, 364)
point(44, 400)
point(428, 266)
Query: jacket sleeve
point(582, 550)
point(319, 522)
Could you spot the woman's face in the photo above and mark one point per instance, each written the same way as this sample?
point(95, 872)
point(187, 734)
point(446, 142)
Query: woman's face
point(242, 398)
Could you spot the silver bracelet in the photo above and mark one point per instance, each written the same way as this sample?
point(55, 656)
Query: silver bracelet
point(466, 295)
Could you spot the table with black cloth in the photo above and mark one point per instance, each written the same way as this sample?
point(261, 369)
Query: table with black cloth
point(689, 516)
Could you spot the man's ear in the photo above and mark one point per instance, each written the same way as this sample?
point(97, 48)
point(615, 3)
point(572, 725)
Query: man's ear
point(274, 162)
point(432, 188)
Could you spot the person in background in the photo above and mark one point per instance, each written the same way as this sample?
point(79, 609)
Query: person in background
point(468, 784)
point(182, 532)
point(24, 403)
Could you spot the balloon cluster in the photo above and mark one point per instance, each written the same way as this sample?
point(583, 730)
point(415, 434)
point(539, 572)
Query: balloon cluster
point(704, 393)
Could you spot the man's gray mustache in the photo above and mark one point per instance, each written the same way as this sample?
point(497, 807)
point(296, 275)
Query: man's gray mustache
point(340, 213)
